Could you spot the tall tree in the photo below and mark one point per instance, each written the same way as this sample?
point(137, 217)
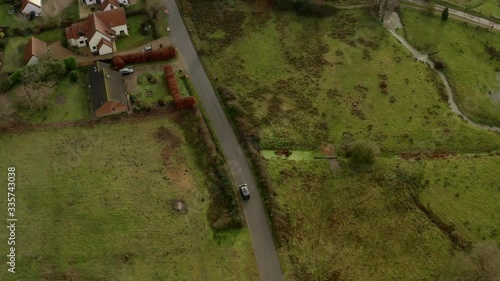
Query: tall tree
point(153, 7)
point(33, 96)
point(444, 14)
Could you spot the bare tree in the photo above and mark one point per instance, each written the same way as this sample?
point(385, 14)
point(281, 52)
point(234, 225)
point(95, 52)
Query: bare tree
point(33, 96)
point(6, 111)
point(153, 7)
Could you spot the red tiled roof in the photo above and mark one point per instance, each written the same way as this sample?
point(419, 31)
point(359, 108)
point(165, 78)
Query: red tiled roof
point(101, 21)
point(35, 47)
point(112, 2)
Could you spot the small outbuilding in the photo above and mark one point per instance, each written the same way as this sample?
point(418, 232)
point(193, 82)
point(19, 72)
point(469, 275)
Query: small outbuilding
point(34, 50)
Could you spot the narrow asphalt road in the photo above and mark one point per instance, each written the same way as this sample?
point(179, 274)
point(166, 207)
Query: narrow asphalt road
point(462, 15)
point(256, 218)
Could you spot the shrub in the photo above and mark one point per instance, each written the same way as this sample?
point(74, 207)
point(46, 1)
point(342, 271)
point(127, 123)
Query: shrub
point(70, 63)
point(439, 65)
point(155, 55)
point(362, 154)
point(73, 76)
point(173, 87)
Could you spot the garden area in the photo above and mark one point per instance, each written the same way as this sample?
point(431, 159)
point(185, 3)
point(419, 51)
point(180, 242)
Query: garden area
point(14, 52)
point(137, 189)
point(139, 33)
point(66, 101)
point(471, 57)
point(151, 90)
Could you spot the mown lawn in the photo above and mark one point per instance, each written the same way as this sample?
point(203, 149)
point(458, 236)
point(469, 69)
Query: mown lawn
point(158, 89)
point(5, 18)
point(67, 102)
point(95, 203)
point(14, 51)
point(300, 88)
point(470, 69)
point(134, 39)
point(52, 35)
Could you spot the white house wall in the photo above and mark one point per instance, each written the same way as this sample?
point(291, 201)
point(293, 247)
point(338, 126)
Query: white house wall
point(33, 60)
point(123, 2)
point(120, 28)
point(94, 41)
point(32, 8)
point(76, 42)
point(105, 49)
point(90, 2)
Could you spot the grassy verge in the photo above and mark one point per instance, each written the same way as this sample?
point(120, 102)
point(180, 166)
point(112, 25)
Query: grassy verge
point(68, 102)
point(95, 207)
point(135, 38)
point(470, 69)
point(14, 51)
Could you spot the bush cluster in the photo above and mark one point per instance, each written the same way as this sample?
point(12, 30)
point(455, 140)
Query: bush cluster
point(155, 55)
point(173, 87)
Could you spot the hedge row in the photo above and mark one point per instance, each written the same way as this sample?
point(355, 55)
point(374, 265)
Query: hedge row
point(155, 55)
point(249, 138)
point(173, 87)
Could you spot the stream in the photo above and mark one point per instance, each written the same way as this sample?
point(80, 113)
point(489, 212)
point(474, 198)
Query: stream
point(451, 102)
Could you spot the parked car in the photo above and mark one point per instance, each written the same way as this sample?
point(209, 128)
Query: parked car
point(147, 49)
point(245, 193)
point(126, 70)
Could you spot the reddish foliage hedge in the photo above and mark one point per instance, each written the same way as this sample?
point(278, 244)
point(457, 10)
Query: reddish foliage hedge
point(179, 102)
point(155, 55)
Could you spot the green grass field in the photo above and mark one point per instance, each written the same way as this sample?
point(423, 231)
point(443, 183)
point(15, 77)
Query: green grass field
point(95, 203)
point(358, 227)
point(354, 227)
point(303, 81)
point(301, 88)
point(13, 57)
point(67, 102)
point(466, 192)
point(159, 89)
point(469, 68)
point(134, 38)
